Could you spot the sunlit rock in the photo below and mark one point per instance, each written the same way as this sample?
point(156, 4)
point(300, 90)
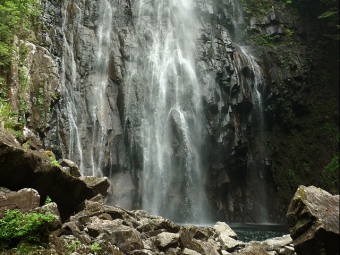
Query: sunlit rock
point(313, 216)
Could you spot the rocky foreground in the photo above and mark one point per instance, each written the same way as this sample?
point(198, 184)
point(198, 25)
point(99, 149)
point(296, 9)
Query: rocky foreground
point(98, 228)
point(86, 225)
point(101, 229)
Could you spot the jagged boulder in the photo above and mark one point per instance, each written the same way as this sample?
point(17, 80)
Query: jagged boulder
point(313, 216)
point(166, 239)
point(70, 167)
point(22, 168)
point(24, 200)
point(52, 208)
point(226, 236)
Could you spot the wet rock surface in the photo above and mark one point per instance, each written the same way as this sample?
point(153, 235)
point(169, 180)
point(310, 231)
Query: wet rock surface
point(238, 156)
point(313, 215)
point(113, 143)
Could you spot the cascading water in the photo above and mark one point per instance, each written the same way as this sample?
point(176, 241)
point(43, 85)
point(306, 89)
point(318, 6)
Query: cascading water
point(171, 121)
point(83, 92)
point(255, 81)
point(70, 92)
point(136, 64)
point(258, 158)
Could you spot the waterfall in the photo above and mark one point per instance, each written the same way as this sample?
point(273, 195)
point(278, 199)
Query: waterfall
point(70, 91)
point(133, 79)
point(258, 158)
point(171, 119)
point(84, 85)
point(252, 76)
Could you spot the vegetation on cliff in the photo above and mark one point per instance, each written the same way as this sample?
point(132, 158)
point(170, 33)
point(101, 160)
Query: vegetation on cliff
point(18, 18)
point(302, 99)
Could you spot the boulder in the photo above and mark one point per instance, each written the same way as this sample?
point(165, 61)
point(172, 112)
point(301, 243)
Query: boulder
point(70, 167)
point(222, 228)
point(273, 244)
point(204, 248)
point(33, 169)
point(253, 251)
point(313, 216)
point(187, 251)
point(24, 200)
point(226, 236)
point(99, 184)
point(51, 208)
point(229, 243)
point(165, 239)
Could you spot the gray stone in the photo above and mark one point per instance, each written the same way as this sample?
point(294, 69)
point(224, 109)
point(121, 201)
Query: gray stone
point(223, 228)
point(204, 248)
point(73, 168)
point(24, 200)
point(187, 251)
point(166, 239)
point(313, 216)
point(229, 243)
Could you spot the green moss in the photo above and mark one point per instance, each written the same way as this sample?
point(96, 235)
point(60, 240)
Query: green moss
point(54, 161)
point(17, 17)
point(16, 225)
point(330, 175)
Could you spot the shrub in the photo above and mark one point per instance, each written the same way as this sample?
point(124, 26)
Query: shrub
point(16, 225)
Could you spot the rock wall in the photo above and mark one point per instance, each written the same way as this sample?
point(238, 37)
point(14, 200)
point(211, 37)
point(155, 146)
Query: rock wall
point(244, 174)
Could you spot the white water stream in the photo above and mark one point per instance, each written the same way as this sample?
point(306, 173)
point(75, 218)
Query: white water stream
point(171, 129)
point(163, 99)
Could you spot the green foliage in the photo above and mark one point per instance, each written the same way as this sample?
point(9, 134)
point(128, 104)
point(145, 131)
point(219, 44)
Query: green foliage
point(17, 17)
point(294, 180)
point(24, 248)
point(330, 174)
point(6, 114)
point(72, 247)
point(328, 14)
point(54, 161)
point(326, 11)
point(95, 247)
point(262, 40)
point(330, 127)
point(256, 8)
point(9, 119)
point(15, 225)
point(48, 200)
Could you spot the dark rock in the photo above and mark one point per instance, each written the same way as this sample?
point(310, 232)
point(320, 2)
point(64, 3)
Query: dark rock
point(33, 169)
point(313, 216)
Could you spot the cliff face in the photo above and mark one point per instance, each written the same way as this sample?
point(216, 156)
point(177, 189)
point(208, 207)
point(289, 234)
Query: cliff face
point(257, 99)
point(269, 103)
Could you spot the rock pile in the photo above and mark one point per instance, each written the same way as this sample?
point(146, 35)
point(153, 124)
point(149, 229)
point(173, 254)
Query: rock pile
point(113, 230)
